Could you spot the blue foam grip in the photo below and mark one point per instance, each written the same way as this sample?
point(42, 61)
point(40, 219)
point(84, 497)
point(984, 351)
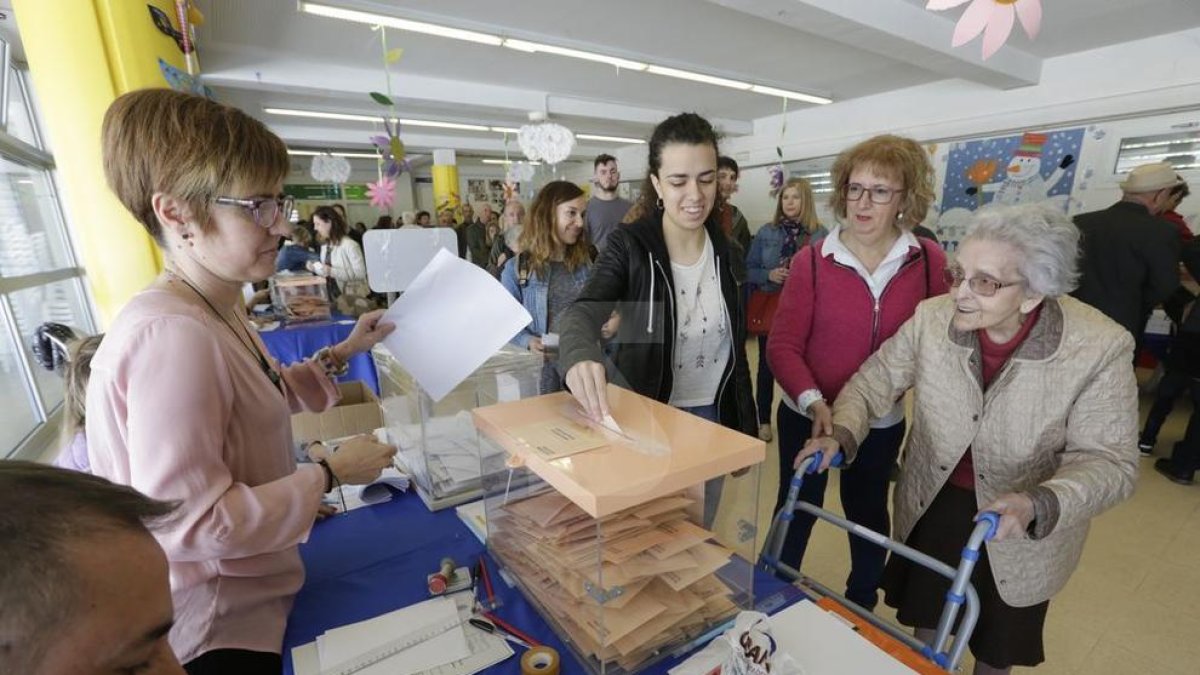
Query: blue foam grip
point(797, 481)
point(927, 652)
point(955, 597)
point(788, 515)
point(819, 456)
point(991, 518)
point(942, 659)
point(970, 554)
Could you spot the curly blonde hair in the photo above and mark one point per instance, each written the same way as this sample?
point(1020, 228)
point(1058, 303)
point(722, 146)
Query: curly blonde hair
point(895, 157)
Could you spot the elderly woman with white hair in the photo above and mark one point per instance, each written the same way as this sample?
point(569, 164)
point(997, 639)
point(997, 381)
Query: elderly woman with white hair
point(1024, 404)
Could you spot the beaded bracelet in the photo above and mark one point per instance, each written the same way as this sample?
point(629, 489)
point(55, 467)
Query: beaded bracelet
point(329, 363)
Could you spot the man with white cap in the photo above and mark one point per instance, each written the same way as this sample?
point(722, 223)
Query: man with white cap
point(1130, 255)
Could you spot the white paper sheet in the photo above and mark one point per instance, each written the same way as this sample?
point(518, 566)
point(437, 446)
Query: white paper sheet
point(347, 642)
point(453, 316)
point(822, 643)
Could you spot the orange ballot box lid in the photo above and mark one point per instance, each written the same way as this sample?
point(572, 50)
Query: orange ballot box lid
point(658, 450)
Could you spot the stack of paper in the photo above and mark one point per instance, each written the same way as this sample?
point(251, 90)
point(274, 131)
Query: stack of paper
point(652, 572)
point(475, 518)
point(377, 492)
point(429, 638)
point(443, 454)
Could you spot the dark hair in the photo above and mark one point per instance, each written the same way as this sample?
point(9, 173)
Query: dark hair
point(384, 223)
point(422, 213)
point(302, 237)
point(726, 162)
point(44, 511)
point(685, 128)
point(1182, 191)
point(337, 224)
point(537, 236)
point(601, 159)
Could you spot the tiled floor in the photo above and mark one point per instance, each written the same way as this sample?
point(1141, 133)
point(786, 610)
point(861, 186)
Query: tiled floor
point(1133, 604)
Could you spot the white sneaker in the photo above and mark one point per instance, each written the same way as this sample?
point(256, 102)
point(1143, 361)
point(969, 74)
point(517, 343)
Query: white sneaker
point(764, 433)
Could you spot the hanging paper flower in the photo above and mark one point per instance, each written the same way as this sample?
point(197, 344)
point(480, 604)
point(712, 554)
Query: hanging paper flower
point(776, 172)
point(329, 169)
point(382, 193)
point(546, 142)
point(993, 18)
point(392, 149)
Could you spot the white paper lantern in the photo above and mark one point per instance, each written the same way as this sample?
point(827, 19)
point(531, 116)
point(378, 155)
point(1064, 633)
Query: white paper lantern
point(329, 169)
point(519, 172)
point(546, 142)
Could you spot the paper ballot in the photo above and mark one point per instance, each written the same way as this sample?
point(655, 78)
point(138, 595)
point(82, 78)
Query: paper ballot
point(453, 316)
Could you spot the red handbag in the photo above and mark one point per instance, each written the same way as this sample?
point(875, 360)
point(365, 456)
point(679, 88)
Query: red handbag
point(760, 312)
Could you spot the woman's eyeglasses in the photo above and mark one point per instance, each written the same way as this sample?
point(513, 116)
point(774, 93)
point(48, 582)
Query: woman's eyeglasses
point(983, 286)
point(265, 210)
point(878, 194)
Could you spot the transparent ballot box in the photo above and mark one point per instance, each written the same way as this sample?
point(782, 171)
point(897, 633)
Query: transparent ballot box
point(300, 297)
point(604, 528)
point(436, 440)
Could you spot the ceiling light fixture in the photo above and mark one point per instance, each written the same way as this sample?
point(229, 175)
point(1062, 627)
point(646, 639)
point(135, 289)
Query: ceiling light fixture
point(336, 153)
point(354, 117)
point(506, 130)
point(611, 139)
point(535, 47)
point(507, 162)
point(374, 19)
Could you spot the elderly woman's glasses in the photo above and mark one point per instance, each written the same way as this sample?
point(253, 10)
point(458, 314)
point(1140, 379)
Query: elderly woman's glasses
point(265, 210)
point(878, 194)
point(983, 286)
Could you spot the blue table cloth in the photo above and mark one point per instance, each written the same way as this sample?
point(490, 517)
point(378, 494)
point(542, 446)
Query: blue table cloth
point(374, 560)
point(295, 342)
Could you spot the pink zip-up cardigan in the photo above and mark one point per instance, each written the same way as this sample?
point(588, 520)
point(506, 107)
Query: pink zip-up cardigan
point(180, 410)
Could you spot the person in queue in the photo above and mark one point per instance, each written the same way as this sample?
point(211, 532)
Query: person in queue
point(1025, 404)
point(682, 331)
point(768, 259)
point(184, 403)
point(341, 258)
point(548, 273)
point(843, 297)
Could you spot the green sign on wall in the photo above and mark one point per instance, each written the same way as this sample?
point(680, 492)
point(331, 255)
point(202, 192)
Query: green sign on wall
point(326, 192)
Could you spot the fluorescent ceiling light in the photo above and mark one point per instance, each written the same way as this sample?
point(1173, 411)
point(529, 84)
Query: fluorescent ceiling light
point(506, 161)
point(613, 139)
point(335, 153)
point(699, 77)
point(808, 98)
point(322, 115)
point(373, 19)
point(506, 130)
point(445, 125)
point(535, 47)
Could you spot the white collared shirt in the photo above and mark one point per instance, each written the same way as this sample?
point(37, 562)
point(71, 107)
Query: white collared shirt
point(884, 272)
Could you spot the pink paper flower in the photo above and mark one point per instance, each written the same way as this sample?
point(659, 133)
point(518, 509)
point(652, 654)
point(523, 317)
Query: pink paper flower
point(382, 193)
point(993, 18)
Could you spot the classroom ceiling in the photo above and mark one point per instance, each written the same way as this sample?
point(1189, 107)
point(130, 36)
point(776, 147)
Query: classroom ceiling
point(268, 54)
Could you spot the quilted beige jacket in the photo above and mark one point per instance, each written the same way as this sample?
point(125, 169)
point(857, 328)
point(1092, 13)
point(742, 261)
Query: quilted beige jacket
point(1059, 422)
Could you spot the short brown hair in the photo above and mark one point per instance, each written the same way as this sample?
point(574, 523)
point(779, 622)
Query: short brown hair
point(161, 140)
point(901, 159)
point(44, 511)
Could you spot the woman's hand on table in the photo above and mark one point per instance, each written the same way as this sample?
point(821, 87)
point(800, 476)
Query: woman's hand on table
point(359, 460)
point(325, 510)
point(368, 332)
point(589, 385)
point(1016, 513)
point(825, 445)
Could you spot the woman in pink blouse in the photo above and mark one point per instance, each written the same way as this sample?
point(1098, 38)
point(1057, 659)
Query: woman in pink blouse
point(185, 405)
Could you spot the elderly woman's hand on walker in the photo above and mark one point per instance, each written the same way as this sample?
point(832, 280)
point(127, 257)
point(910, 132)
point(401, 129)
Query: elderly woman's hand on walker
point(1016, 513)
point(826, 445)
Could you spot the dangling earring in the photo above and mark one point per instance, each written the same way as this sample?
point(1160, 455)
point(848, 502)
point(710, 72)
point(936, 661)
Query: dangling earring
point(659, 204)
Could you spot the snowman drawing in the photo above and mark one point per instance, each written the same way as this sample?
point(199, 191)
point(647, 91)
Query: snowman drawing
point(1023, 182)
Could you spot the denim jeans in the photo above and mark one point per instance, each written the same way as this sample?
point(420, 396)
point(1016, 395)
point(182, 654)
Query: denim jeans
point(712, 488)
point(864, 491)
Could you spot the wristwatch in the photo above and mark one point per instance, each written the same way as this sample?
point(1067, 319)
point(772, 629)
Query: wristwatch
point(329, 362)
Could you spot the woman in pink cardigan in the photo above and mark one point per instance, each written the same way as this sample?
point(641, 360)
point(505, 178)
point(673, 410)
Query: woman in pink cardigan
point(844, 296)
point(185, 405)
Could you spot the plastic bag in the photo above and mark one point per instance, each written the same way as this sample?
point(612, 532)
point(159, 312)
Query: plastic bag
point(747, 648)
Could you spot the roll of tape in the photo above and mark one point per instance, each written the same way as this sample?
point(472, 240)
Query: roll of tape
point(539, 661)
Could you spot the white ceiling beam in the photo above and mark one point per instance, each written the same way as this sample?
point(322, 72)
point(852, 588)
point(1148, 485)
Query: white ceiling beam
point(898, 30)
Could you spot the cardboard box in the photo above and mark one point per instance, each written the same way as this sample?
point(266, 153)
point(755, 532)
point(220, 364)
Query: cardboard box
point(357, 413)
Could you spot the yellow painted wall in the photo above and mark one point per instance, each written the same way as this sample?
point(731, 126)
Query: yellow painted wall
point(82, 54)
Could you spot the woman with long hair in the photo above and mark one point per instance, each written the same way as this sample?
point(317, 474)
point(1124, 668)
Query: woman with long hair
point(342, 262)
point(550, 270)
point(843, 297)
point(682, 338)
point(768, 261)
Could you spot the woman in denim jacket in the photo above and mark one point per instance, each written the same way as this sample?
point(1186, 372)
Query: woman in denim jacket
point(551, 269)
point(767, 264)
